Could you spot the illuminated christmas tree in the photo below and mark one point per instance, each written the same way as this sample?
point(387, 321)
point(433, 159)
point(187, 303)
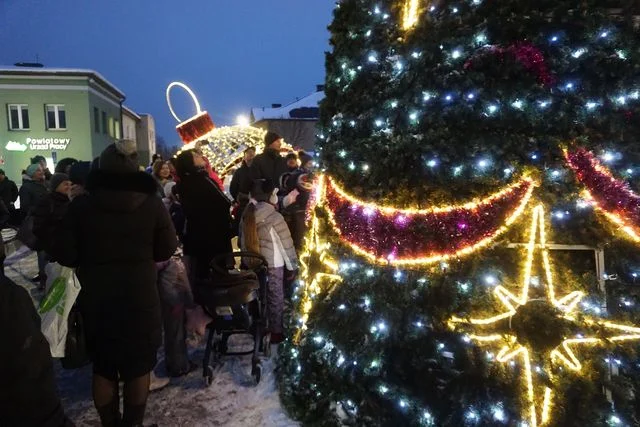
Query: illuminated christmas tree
point(473, 242)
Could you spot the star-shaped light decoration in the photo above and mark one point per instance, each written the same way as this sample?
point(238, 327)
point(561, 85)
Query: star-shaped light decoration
point(538, 330)
point(318, 269)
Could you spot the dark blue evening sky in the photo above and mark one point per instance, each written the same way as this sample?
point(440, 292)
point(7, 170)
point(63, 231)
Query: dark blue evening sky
point(235, 54)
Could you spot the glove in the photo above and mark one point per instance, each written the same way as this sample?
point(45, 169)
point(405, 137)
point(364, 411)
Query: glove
point(290, 198)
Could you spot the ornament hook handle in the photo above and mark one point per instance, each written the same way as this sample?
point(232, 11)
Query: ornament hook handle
point(189, 91)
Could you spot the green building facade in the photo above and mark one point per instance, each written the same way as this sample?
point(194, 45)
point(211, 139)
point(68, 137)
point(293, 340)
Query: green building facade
point(55, 113)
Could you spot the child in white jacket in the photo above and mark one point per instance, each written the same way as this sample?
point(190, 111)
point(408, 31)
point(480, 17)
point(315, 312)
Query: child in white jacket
point(263, 230)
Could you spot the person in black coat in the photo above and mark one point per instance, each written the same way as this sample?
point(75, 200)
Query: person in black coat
point(269, 164)
point(207, 212)
point(33, 188)
point(240, 176)
point(28, 395)
point(50, 211)
point(114, 235)
point(4, 220)
point(32, 191)
point(8, 191)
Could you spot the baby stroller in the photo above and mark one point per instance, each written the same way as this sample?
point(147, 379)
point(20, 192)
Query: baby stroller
point(235, 299)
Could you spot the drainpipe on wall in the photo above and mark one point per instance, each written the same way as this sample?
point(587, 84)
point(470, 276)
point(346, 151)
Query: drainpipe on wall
point(121, 120)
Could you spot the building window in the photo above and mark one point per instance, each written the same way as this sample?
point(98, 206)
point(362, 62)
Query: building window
point(104, 123)
point(116, 129)
point(56, 117)
point(96, 119)
point(18, 116)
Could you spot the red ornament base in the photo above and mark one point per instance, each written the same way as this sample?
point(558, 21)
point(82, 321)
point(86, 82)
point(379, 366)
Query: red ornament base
point(195, 128)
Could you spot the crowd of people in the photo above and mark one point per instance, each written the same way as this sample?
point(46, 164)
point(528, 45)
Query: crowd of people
point(138, 241)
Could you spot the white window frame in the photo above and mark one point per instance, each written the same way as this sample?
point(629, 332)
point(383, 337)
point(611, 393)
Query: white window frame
point(56, 110)
point(20, 108)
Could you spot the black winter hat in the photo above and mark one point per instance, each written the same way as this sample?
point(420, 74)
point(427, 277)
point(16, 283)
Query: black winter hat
point(262, 189)
point(120, 157)
point(270, 138)
point(79, 173)
point(63, 164)
point(57, 179)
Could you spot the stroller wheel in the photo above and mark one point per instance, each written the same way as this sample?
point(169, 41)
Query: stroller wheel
point(256, 372)
point(208, 378)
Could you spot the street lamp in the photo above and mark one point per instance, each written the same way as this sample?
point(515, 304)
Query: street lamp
point(242, 120)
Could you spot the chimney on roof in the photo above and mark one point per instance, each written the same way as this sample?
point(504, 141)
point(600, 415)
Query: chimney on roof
point(29, 64)
point(319, 88)
point(276, 105)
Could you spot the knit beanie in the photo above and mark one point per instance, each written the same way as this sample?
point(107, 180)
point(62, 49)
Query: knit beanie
point(270, 138)
point(120, 157)
point(31, 170)
point(79, 173)
point(57, 179)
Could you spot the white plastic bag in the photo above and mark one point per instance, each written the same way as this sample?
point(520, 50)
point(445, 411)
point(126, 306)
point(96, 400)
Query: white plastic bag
point(63, 289)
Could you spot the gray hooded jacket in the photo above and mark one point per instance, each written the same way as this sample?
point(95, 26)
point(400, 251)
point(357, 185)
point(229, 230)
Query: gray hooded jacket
point(276, 244)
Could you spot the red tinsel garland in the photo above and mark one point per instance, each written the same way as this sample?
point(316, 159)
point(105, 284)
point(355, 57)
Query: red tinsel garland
point(397, 235)
point(525, 53)
point(610, 194)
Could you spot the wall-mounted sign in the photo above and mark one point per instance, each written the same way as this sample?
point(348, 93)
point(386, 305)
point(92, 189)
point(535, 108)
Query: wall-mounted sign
point(39, 144)
point(15, 146)
point(48, 144)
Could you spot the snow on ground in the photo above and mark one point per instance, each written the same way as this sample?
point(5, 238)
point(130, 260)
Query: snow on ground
point(232, 399)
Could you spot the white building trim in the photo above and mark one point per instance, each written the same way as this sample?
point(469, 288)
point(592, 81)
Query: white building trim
point(61, 87)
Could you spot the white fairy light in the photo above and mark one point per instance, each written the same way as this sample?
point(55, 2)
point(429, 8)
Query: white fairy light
point(498, 414)
point(517, 104)
point(483, 163)
point(579, 52)
point(608, 157)
point(490, 280)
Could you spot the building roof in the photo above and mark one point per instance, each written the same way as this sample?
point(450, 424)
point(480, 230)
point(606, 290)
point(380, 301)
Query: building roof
point(307, 108)
point(130, 112)
point(24, 71)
